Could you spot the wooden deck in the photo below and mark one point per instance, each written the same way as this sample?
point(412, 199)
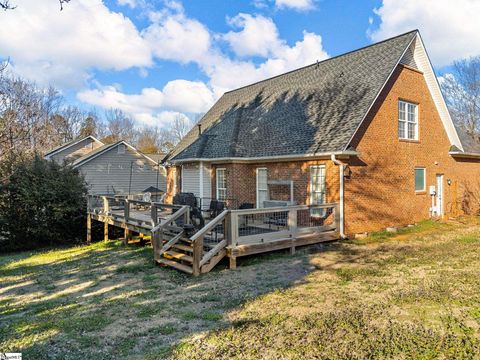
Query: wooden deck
point(233, 233)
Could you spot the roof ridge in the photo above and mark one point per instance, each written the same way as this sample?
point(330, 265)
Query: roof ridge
point(320, 62)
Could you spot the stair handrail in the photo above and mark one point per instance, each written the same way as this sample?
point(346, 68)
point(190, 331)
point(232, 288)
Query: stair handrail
point(197, 242)
point(210, 225)
point(170, 219)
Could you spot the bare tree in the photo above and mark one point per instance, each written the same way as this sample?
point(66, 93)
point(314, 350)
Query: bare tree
point(119, 126)
point(180, 126)
point(462, 93)
point(6, 5)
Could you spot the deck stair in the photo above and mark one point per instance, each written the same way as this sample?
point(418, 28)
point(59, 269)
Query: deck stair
point(193, 253)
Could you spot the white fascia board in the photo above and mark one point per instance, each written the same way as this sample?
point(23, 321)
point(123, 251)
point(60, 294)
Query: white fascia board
point(305, 157)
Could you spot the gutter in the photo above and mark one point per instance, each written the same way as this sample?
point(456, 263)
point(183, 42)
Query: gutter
point(464, 154)
point(345, 153)
point(342, 194)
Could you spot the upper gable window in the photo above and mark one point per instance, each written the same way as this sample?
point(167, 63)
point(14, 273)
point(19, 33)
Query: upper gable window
point(121, 149)
point(407, 120)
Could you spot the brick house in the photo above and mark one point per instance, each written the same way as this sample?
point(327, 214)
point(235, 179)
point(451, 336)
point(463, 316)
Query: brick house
point(368, 129)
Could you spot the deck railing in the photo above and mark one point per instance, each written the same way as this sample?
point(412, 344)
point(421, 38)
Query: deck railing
point(130, 211)
point(254, 226)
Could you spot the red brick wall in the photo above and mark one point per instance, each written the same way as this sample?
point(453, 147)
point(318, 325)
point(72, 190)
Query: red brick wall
point(241, 180)
point(381, 190)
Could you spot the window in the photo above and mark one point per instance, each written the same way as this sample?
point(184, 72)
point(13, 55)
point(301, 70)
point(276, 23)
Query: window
point(121, 149)
point(221, 185)
point(419, 179)
point(407, 120)
point(262, 186)
point(317, 188)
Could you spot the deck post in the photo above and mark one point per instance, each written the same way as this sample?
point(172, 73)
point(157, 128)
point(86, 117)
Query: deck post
point(105, 205)
point(126, 210)
point(154, 214)
point(127, 235)
point(105, 231)
point(292, 222)
point(232, 262)
point(197, 255)
point(292, 249)
point(234, 228)
point(156, 244)
point(89, 229)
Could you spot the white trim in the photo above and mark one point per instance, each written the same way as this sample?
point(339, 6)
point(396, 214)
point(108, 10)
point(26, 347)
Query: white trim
point(424, 65)
point(342, 194)
point(406, 121)
point(424, 179)
point(256, 175)
point(321, 166)
point(378, 94)
point(216, 183)
point(91, 157)
point(346, 153)
point(182, 185)
point(69, 145)
point(464, 155)
point(200, 171)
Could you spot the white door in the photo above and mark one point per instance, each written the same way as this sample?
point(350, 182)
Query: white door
point(262, 186)
point(439, 196)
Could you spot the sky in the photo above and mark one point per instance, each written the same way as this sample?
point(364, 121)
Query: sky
point(157, 60)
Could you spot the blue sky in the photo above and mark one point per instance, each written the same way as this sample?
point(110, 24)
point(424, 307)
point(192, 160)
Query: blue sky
point(157, 60)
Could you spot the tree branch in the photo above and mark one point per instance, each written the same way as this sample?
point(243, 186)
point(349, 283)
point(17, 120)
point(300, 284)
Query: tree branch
point(5, 4)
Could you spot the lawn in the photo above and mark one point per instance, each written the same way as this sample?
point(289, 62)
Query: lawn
point(415, 294)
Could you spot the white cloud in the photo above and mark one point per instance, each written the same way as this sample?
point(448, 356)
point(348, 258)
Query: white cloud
point(131, 3)
point(47, 45)
point(227, 74)
point(176, 97)
point(259, 35)
point(299, 5)
point(173, 36)
point(161, 119)
point(450, 29)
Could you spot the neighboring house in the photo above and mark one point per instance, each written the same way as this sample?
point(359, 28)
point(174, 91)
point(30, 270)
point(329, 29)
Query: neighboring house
point(368, 129)
point(73, 150)
point(116, 168)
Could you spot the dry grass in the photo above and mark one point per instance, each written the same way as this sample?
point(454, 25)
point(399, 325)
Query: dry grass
point(412, 295)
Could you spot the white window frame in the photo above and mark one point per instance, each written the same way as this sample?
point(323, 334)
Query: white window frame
point(217, 187)
point(322, 191)
point(258, 187)
point(403, 117)
point(424, 179)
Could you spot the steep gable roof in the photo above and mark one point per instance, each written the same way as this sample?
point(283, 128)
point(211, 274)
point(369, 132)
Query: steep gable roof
point(103, 149)
point(315, 109)
point(70, 144)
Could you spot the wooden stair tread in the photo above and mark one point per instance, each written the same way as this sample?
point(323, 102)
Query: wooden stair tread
point(183, 247)
point(178, 256)
point(176, 265)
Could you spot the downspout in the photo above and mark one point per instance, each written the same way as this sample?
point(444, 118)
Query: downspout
point(342, 186)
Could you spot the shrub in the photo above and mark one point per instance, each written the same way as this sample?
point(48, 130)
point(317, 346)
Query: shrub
point(41, 204)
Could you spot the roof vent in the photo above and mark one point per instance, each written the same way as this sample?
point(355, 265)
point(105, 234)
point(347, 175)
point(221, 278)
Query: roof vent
point(199, 129)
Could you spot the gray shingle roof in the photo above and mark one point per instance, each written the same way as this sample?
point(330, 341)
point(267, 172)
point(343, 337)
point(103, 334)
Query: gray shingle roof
point(311, 110)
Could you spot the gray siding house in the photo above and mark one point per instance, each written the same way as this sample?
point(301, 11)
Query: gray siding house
point(117, 168)
point(73, 150)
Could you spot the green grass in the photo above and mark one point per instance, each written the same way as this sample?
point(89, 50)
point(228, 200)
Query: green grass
point(412, 294)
